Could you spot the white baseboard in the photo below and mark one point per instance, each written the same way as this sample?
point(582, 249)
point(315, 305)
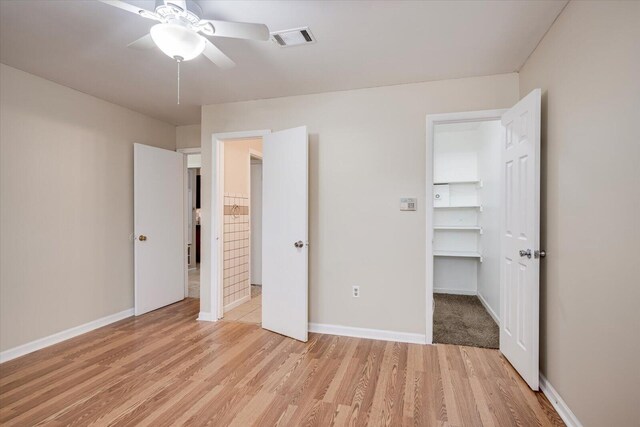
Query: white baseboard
point(561, 407)
point(375, 334)
point(206, 317)
point(236, 303)
point(41, 343)
point(453, 291)
point(489, 309)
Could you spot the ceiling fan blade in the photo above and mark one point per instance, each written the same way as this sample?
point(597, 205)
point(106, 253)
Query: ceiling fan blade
point(216, 56)
point(131, 8)
point(239, 30)
point(143, 43)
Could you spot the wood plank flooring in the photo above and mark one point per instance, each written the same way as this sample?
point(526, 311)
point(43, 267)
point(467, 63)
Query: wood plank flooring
point(165, 368)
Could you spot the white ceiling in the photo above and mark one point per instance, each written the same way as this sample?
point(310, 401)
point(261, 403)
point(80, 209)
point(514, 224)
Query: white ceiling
point(82, 44)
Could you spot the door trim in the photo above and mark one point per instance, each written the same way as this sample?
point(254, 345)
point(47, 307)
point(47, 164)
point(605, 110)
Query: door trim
point(195, 150)
point(432, 120)
point(216, 218)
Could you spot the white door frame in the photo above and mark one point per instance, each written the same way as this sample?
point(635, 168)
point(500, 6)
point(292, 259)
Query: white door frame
point(253, 154)
point(432, 120)
point(186, 151)
point(216, 218)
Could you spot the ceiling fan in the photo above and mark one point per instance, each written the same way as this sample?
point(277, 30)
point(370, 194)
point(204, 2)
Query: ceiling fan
point(179, 33)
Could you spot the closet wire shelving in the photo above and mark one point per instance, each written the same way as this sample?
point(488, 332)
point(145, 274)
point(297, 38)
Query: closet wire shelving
point(470, 228)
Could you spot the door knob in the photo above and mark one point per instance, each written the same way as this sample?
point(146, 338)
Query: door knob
point(540, 253)
point(526, 253)
point(142, 238)
point(298, 244)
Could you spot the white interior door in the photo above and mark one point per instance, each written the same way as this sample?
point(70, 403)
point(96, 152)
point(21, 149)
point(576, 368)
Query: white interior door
point(158, 185)
point(285, 215)
point(519, 275)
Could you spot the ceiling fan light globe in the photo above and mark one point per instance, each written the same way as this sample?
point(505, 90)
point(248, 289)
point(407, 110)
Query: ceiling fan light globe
point(177, 41)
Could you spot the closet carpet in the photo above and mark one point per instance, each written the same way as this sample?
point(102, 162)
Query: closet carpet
point(463, 320)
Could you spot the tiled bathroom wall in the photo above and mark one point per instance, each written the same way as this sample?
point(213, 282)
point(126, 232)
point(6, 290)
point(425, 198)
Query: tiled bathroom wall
point(236, 247)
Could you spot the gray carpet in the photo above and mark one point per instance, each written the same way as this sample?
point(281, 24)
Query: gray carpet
point(463, 320)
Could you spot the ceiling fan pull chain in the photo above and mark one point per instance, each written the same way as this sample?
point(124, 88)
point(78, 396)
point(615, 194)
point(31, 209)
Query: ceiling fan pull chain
point(178, 82)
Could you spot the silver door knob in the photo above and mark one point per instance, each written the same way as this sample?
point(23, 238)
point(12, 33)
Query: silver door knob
point(526, 253)
point(540, 254)
point(298, 244)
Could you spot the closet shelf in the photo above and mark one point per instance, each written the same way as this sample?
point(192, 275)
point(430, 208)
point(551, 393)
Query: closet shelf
point(460, 207)
point(457, 182)
point(458, 254)
point(458, 227)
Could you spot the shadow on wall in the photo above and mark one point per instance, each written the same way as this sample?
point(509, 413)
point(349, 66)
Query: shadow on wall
point(314, 233)
point(543, 229)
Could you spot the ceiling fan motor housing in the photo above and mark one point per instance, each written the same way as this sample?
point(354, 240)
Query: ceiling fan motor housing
point(169, 12)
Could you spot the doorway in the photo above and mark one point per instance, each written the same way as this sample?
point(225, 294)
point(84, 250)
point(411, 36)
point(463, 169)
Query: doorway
point(466, 233)
point(192, 209)
point(242, 298)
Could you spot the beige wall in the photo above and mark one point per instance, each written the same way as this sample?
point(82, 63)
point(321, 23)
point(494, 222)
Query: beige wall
point(236, 164)
point(188, 136)
point(66, 258)
point(367, 150)
point(588, 66)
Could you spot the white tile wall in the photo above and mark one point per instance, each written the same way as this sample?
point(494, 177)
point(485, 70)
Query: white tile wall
point(236, 250)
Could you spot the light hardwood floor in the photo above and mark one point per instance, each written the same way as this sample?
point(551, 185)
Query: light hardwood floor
point(194, 283)
point(165, 368)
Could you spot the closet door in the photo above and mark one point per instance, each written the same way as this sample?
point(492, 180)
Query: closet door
point(520, 238)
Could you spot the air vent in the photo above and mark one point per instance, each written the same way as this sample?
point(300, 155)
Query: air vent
point(295, 37)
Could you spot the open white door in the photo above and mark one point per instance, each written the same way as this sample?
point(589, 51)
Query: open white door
point(158, 205)
point(285, 212)
point(520, 270)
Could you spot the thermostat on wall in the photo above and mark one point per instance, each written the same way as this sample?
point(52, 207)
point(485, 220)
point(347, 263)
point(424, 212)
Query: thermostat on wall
point(408, 204)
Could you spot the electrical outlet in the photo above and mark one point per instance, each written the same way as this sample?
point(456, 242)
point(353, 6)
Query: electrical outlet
point(356, 291)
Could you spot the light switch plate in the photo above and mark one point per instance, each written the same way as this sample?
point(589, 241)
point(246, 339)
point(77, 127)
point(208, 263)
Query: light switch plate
point(408, 204)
